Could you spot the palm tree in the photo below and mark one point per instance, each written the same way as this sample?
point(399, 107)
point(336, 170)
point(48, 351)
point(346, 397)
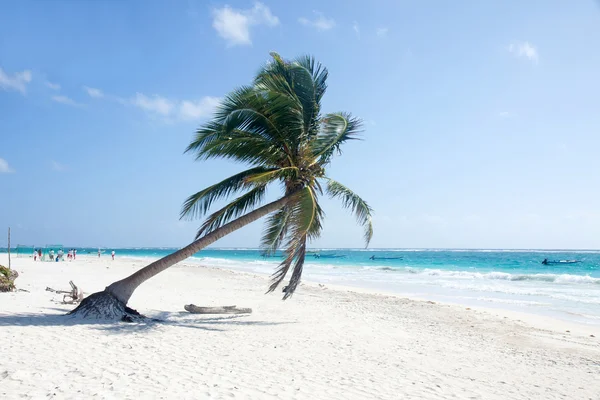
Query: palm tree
point(274, 126)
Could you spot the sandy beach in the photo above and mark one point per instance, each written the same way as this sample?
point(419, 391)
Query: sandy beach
point(325, 343)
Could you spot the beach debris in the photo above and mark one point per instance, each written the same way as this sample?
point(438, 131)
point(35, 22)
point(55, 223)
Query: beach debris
point(75, 295)
point(7, 279)
point(194, 309)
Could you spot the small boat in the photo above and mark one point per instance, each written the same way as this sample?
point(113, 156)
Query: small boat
point(553, 262)
point(317, 255)
point(385, 258)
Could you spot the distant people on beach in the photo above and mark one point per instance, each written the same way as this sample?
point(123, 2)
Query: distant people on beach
point(99, 252)
point(60, 255)
point(113, 255)
point(70, 255)
point(40, 254)
point(51, 254)
point(35, 255)
point(74, 254)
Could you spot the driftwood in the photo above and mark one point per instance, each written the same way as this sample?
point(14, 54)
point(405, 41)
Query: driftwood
point(217, 310)
point(75, 295)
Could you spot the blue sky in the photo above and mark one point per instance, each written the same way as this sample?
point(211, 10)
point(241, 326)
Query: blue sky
point(481, 118)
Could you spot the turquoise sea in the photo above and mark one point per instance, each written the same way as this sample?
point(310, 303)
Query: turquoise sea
point(512, 279)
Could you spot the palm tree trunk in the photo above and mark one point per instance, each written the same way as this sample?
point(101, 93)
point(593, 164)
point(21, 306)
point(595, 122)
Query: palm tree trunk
point(118, 293)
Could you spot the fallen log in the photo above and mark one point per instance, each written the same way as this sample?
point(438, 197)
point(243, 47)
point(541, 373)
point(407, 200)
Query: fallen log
point(217, 310)
point(75, 295)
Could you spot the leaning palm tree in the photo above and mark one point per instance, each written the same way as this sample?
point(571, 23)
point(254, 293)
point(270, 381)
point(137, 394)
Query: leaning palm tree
point(276, 128)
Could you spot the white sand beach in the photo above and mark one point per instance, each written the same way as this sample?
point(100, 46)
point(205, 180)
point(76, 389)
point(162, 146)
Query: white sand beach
point(324, 343)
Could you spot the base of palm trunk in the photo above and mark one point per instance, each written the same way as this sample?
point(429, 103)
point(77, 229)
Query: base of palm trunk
point(105, 306)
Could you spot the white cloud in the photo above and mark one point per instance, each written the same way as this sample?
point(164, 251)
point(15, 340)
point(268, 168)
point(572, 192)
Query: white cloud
point(17, 81)
point(321, 22)
point(66, 100)
point(356, 28)
point(524, 50)
point(198, 109)
point(4, 167)
point(234, 25)
point(176, 109)
point(92, 92)
point(382, 32)
point(53, 86)
point(155, 104)
point(56, 166)
point(168, 109)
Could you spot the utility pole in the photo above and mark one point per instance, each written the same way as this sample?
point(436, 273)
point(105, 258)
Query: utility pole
point(9, 247)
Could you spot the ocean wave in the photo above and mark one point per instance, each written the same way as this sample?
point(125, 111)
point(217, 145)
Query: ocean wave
point(555, 278)
point(495, 275)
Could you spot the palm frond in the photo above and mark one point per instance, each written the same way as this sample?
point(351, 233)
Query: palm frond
point(285, 173)
point(336, 129)
point(246, 148)
point(275, 231)
point(236, 208)
point(300, 257)
point(199, 203)
point(304, 222)
point(357, 205)
point(243, 131)
point(319, 75)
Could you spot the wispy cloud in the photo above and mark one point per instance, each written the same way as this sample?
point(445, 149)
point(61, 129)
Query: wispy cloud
point(168, 109)
point(198, 109)
point(93, 92)
point(321, 22)
point(66, 100)
point(53, 86)
point(4, 167)
point(175, 109)
point(56, 166)
point(356, 28)
point(524, 50)
point(382, 32)
point(234, 25)
point(155, 104)
point(17, 81)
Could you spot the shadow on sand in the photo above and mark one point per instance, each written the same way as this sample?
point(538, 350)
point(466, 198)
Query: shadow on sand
point(155, 321)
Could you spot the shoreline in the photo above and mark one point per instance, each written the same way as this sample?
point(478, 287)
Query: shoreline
point(544, 319)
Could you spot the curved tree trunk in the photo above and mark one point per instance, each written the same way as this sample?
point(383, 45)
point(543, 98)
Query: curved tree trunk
point(111, 303)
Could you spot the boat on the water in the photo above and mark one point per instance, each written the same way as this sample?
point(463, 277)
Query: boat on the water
point(385, 258)
point(317, 255)
point(552, 262)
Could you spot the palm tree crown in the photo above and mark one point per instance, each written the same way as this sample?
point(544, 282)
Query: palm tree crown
point(275, 126)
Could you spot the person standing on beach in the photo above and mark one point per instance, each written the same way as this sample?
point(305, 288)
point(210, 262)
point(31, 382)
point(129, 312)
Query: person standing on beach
point(113, 255)
point(51, 255)
point(35, 255)
point(74, 253)
point(99, 253)
point(40, 254)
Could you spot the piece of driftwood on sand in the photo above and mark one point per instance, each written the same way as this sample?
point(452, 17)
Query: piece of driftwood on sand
point(217, 310)
point(75, 295)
